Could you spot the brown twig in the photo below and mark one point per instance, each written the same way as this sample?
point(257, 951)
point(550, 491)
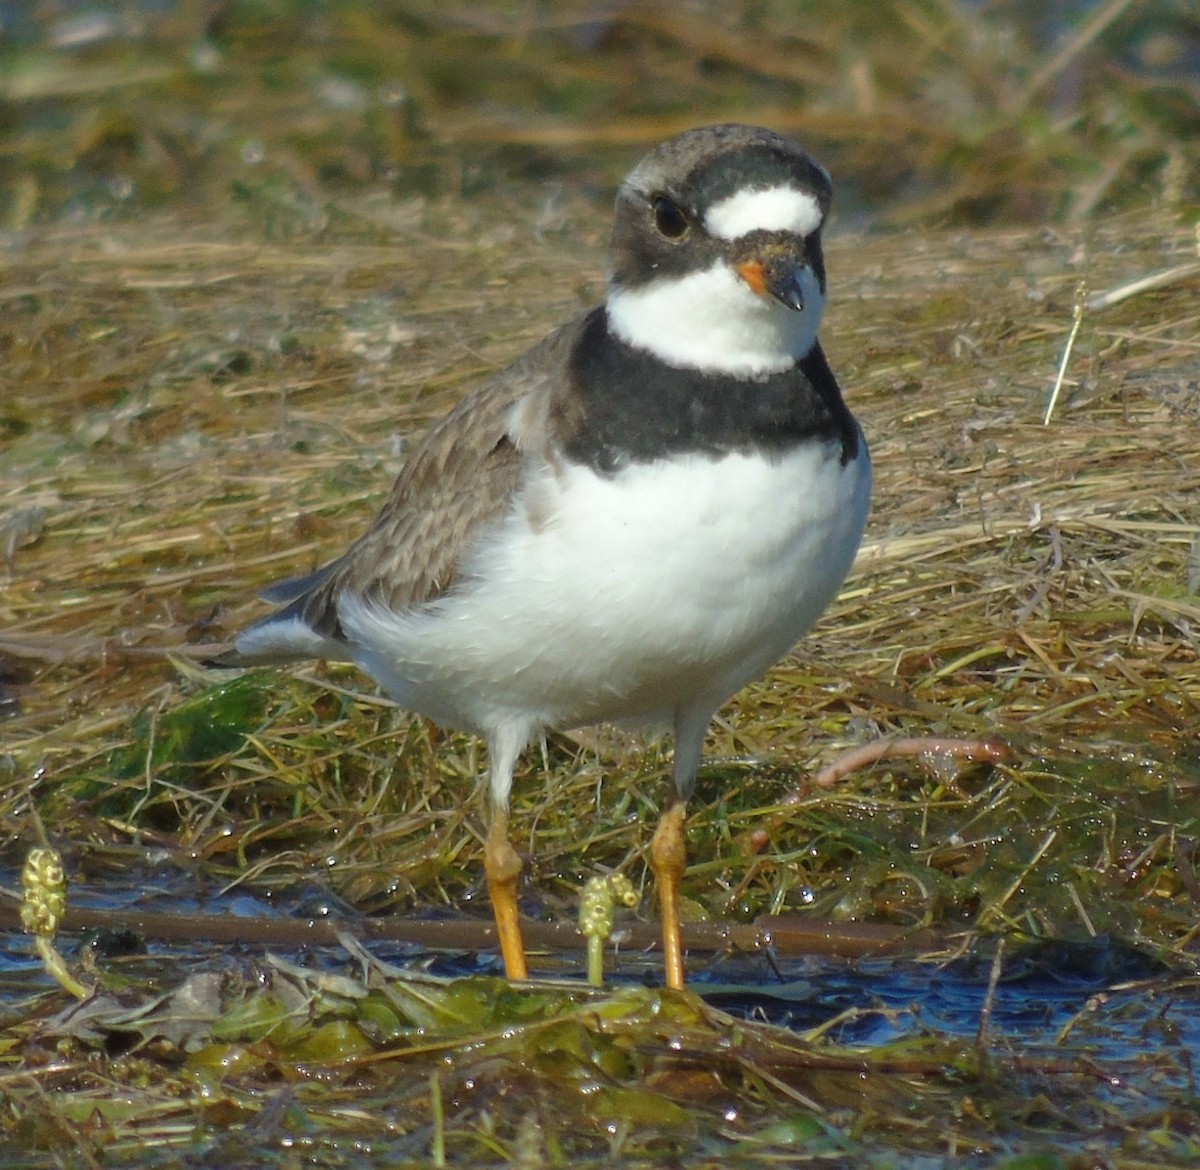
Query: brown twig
point(975, 751)
point(62, 648)
point(785, 934)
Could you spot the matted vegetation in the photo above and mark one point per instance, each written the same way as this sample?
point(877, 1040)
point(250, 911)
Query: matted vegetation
point(195, 404)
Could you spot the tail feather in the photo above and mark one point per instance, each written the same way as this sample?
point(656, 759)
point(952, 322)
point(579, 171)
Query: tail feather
point(283, 636)
point(293, 588)
point(226, 660)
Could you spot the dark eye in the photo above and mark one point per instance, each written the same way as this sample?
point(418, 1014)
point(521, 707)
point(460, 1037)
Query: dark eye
point(668, 217)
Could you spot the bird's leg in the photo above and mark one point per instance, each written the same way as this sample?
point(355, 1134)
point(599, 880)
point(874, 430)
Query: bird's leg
point(503, 869)
point(668, 850)
point(668, 859)
point(500, 859)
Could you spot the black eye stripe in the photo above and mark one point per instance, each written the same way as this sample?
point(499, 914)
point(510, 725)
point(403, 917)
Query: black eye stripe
point(669, 217)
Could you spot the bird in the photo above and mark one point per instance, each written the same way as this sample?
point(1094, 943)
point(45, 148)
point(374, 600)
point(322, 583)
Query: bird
point(635, 518)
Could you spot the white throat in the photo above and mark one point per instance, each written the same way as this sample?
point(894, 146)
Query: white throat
point(712, 320)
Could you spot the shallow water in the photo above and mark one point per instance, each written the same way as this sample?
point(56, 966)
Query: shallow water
point(1099, 997)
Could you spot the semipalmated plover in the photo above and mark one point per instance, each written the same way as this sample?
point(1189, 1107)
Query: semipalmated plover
point(635, 518)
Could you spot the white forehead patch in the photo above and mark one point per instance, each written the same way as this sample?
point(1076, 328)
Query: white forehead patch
point(776, 209)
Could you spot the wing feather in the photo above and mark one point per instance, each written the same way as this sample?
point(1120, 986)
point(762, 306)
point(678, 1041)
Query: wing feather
point(462, 478)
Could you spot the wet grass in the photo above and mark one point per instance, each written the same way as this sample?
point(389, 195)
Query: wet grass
point(298, 114)
point(211, 374)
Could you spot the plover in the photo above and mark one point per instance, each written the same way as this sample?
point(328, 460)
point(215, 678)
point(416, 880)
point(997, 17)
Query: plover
point(634, 519)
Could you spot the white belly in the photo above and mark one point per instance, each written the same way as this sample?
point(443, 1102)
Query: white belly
point(668, 585)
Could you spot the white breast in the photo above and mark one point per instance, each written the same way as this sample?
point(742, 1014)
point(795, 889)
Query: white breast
point(626, 597)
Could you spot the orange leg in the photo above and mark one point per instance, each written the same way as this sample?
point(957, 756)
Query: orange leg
point(503, 868)
point(668, 859)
